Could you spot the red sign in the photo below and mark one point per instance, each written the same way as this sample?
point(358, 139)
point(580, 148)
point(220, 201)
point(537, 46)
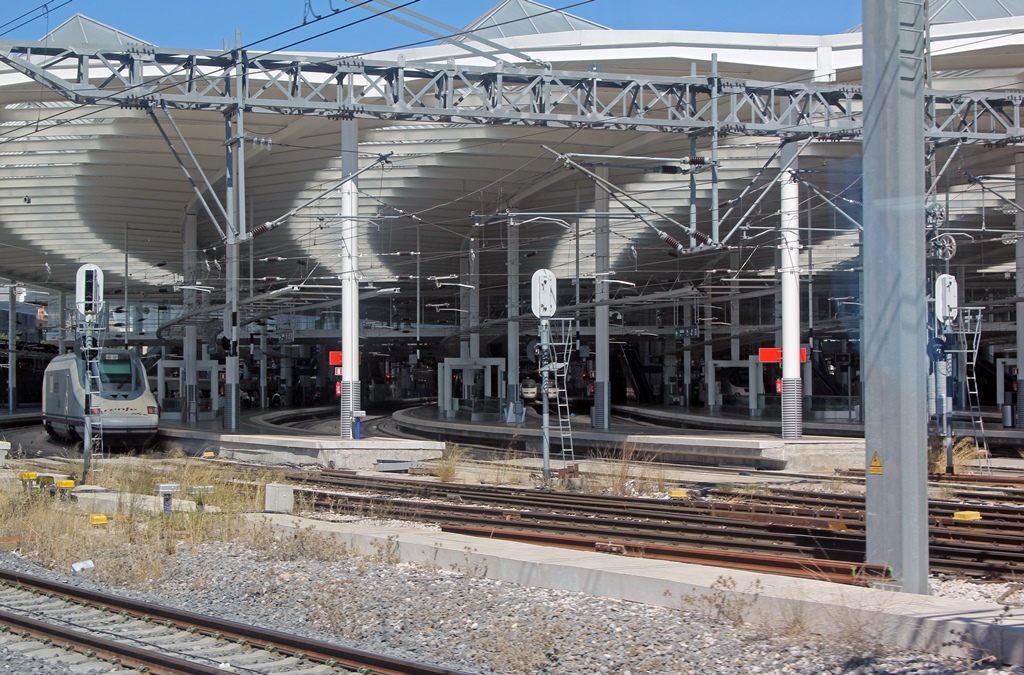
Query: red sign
point(335, 358)
point(774, 354)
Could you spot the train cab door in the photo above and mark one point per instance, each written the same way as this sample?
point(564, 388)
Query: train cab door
point(58, 397)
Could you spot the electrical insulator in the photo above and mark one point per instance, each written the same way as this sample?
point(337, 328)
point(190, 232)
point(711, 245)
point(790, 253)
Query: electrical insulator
point(671, 241)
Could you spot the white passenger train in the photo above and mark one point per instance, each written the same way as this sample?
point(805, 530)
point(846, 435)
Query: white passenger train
point(124, 411)
point(530, 390)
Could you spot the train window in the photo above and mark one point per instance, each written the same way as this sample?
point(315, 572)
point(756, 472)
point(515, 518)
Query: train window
point(115, 369)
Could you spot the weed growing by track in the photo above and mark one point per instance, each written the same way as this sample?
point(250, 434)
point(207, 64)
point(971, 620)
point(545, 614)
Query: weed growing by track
point(138, 542)
point(965, 454)
point(624, 473)
point(447, 468)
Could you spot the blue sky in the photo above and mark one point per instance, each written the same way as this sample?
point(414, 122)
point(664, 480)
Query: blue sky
point(205, 25)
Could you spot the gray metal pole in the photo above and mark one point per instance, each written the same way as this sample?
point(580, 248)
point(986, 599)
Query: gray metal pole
point(715, 224)
point(62, 333)
point(12, 347)
point(263, 369)
point(231, 251)
point(236, 214)
point(189, 348)
point(545, 361)
point(1018, 222)
point(512, 387)
point(602, 370)
point(473, 279)
point(895, 309)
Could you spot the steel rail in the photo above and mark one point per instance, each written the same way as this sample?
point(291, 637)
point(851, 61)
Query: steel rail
point(1008, 513)
point(800, 508)
point(814, 568)
point(114, 652)
point(721, 532)
point(794, 519)
point(265, 638)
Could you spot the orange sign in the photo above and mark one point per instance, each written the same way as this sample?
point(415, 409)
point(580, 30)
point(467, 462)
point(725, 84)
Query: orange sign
point(774, 354)
point(335, 358)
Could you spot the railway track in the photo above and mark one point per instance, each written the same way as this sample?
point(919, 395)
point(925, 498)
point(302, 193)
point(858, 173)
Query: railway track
point(74, 623)
point(623, 527)
point(793, 532)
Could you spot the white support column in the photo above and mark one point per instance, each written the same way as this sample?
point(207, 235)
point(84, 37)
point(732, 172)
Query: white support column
point(710, 384)
point(1018, 221)
point(12, 346)
point(684, 395)
point(473, 280)
point(62, 333)
point(235, 197)
point(189, 381)
point(754, 380)
point(231, 249)
point(512, 388)
point(602, 371)
point(465, 344)
point(789, 271)
point(735, 262)
point(350, 387)
point(264, 394)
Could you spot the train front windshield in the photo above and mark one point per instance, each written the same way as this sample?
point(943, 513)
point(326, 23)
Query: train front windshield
point(116, 371)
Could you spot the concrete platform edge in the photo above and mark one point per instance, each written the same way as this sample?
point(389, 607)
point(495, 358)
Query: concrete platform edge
point(874, 617)
point(302, 450)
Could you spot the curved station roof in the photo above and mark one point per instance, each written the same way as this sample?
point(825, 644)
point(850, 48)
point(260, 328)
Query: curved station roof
point(90, 180)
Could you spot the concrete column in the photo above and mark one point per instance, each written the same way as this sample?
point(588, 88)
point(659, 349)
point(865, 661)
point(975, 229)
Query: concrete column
point(710, 383)
point(264, 394)
point(62, 330)
point(231, 367)
point(235, 198)
point(684, 397)
point(669, 375)
point(350, 387)
point(710, 388)
point(894, 361)
point(473, 280)
point(789, 273)
point(189, 349)
point(512, 310)
point(602, 370)
point(735, 261)
point(1018, 222)
point(12, 346)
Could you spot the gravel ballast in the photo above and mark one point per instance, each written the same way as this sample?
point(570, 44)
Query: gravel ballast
point(456, 619)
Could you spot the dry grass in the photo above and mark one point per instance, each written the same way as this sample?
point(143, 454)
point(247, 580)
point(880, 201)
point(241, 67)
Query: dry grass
point(137, 545)
point(506, 469)
point(724, 601)
point(447, 468)
point(626, 473)
point(965, 453)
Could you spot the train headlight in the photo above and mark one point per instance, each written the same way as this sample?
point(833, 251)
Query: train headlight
point(94, 411)
point(151, 409)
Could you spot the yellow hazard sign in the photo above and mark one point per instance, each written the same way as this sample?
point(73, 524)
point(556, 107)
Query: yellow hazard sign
point(875, 468)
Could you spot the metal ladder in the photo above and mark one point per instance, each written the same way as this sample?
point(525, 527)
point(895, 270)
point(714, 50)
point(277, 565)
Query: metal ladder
point(94, 387)
point(967, 328)
point(561, 349)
